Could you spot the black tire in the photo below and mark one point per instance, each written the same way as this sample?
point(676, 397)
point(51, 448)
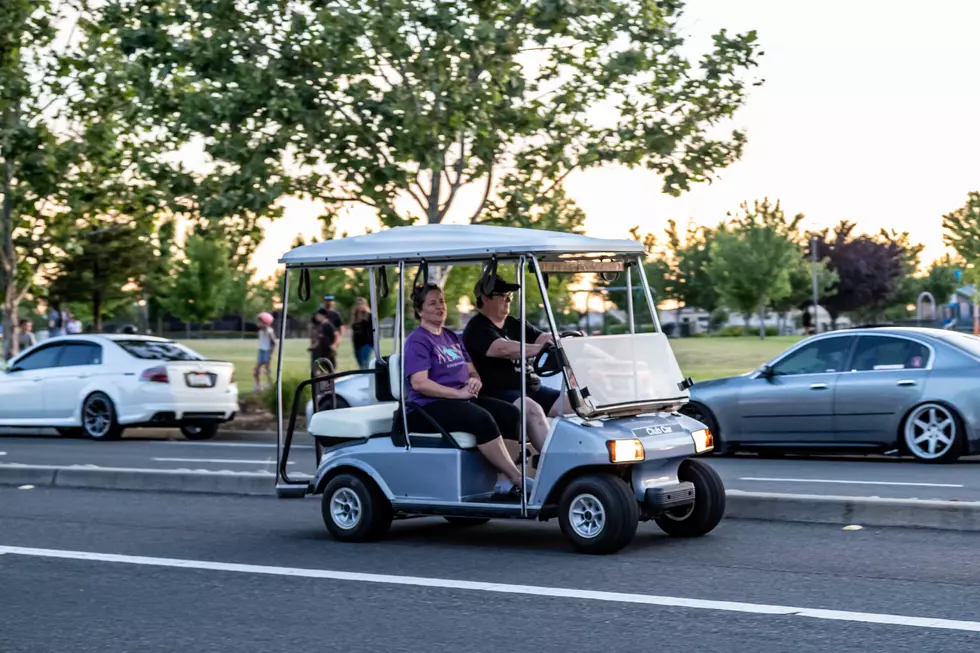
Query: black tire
point(703, 414)
point(620, 513)
point(107, 428)
point(196, 432)
point(709, 502)
point(374, 511)
point(326, 403)
point(467, 521)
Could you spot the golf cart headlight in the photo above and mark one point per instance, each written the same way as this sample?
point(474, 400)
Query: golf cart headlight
point(703, 440)
point(625, 451)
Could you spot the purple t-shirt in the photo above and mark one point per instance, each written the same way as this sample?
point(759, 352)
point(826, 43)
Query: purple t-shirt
point(442, 355)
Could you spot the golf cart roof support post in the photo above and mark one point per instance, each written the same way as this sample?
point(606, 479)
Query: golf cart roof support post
point(281, 348)
point(401, 352)
point(552, 324)
point(646, 291)
point(629, 299)
point(522, 292)
point(376, 321)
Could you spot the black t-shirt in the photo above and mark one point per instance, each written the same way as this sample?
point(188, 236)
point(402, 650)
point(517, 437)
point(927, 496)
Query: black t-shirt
point(326, 335)
point(363, 334)
point(332, 316)
point(498, 373)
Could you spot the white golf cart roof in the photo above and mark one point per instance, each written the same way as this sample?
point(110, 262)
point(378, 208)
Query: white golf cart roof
point(453, 242)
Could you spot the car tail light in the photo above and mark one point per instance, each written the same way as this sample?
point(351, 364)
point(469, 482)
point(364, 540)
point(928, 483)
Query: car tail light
point(155, 375)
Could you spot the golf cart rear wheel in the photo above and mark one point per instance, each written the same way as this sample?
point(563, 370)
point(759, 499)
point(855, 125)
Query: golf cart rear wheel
point(598, 514)
point(199, 431)
point(709, 502)
point(355, 509)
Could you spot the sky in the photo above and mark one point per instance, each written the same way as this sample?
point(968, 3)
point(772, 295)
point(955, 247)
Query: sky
point(868, 113)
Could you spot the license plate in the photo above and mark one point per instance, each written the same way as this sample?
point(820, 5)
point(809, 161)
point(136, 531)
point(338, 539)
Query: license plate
point(200, 380)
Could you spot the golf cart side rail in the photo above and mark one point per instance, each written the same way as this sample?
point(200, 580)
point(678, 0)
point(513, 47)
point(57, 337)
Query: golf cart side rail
point(288, 442)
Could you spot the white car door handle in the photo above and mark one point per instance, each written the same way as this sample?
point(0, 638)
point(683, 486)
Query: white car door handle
point(818, 386)
point(906, 382)
point(36, 379)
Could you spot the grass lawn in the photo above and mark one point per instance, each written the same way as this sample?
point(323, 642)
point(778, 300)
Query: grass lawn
point(699, 358)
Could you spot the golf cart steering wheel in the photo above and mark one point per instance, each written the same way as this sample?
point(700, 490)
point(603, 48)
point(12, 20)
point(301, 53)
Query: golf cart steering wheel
point(571, 334)
point(545, 364)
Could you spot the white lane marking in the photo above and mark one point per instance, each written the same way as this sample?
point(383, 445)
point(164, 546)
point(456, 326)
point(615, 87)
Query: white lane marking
point(3, 453)
point(534, 590)
point(232, 444)
point(843, 482)
point(230, 461)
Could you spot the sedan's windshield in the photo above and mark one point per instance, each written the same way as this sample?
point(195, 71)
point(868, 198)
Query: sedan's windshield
point(159, 351)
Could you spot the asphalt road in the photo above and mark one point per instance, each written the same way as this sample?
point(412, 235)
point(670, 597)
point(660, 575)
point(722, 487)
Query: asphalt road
point(850, 476)
point(212, 573)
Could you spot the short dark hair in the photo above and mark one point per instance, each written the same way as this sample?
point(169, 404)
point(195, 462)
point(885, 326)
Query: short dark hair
point(419, 295)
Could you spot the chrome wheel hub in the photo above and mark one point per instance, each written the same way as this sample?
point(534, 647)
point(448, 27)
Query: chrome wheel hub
point(586, 516)
point(97, 417)
point(345, 508)
point(930, 431)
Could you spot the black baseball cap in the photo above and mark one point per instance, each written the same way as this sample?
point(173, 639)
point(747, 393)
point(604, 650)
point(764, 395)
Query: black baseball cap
point(500, 285)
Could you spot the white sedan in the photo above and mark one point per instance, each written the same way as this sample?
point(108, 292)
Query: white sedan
point(98, 385)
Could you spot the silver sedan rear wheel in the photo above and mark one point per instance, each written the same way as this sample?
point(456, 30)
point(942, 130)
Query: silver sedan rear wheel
point(932, 434)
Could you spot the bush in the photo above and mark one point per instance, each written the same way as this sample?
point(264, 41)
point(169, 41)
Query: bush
point(289, 385)
point(733, 331)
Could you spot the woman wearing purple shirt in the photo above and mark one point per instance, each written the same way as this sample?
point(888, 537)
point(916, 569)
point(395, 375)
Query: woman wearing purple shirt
point(443, 380)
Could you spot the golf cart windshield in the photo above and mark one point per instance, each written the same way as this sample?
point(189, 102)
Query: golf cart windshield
point(629, 372)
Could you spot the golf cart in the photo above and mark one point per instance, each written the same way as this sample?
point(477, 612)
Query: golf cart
point(625, 454)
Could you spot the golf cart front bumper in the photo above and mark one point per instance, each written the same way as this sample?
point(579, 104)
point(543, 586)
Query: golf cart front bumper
point(667, 497)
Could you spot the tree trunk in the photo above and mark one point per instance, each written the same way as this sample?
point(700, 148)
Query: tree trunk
point(97, 311)
point(11, 296)
point(748, 323)
point(762, 319)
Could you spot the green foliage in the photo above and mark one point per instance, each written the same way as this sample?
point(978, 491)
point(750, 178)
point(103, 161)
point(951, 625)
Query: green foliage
point(98, 267)
point(270, 399)
point(201, 281)
point(384, 100)
point(962, 228)
point(734, 331)
point(801, 284)
point(751, 260)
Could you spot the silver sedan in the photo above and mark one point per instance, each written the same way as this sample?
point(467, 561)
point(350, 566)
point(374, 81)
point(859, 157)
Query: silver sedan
point(915, 391)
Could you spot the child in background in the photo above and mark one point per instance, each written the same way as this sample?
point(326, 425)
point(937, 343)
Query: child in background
point(267, 342)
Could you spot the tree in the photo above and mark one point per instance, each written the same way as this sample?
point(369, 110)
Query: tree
point(751, 261)
point(801, 286)
point(31, 162)
point(200, 284)
point(869, 269)
point(962, 228)
point(400, 104)
point(99, 268)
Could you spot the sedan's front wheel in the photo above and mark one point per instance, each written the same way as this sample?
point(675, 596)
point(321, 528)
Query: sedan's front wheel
point(99, 420)
point(197, 432)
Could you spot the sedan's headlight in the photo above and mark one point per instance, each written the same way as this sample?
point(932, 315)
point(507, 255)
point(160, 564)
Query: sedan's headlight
point(703, 440)
point(625, 451)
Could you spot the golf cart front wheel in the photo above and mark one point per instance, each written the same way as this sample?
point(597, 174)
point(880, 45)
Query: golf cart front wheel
point(708, 508)
point(355, 509)
point(598, 514)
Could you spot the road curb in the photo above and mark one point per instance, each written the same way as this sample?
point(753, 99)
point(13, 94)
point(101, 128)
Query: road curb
point(151, 480)
point(804, 508)
point(864, 511)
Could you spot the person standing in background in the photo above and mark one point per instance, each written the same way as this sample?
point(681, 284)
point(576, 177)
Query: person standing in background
point(362, 333)
point(267, 343)
point(56, 321)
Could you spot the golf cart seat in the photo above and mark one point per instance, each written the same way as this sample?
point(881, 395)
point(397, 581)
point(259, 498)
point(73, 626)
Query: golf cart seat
point(360, 422)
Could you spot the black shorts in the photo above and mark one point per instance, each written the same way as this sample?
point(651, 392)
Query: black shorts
point(486, 418)
point(543, 396)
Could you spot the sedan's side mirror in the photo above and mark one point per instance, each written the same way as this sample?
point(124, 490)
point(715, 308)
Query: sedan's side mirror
point(766, 372)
